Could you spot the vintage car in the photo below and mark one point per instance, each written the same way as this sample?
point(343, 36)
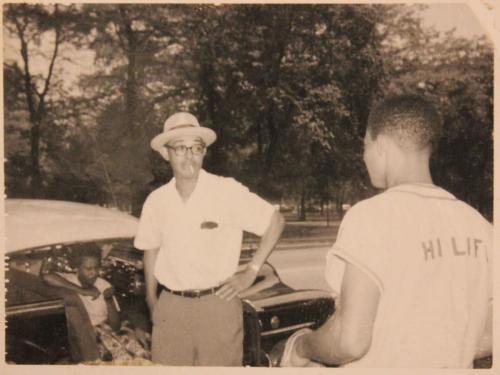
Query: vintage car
point(45, 325)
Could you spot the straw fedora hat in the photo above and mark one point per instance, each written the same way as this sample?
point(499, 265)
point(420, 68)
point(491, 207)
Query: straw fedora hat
point(181, 124)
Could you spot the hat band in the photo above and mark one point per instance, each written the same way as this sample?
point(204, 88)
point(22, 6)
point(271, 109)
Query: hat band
point(181, 126)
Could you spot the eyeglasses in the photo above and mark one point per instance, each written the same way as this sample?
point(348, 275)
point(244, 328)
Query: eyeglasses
point(181, 150)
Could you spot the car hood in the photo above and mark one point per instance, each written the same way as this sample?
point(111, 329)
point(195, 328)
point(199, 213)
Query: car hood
point(33, 223)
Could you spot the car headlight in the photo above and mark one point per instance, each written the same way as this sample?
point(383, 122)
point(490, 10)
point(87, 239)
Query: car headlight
point(274, 322)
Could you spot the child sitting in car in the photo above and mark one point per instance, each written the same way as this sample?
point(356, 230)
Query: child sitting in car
point(115, 339)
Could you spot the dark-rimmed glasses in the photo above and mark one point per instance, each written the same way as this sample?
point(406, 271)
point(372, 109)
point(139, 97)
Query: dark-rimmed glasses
point(181, 150)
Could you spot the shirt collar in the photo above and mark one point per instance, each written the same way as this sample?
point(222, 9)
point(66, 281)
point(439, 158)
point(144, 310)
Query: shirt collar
point(423, 189)
point(202, 177)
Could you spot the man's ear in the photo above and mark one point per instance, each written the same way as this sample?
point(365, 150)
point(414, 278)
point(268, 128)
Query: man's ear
point(164, 153)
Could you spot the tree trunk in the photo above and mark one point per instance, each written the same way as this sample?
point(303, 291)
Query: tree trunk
point(36, 101)
point(131, 47)
point(302, 211)
point(36, 176)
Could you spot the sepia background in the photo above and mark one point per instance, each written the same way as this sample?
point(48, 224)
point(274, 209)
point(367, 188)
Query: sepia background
point(287, 88)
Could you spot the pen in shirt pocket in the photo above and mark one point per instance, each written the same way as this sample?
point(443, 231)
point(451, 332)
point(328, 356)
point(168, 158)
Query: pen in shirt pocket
point(207, 224)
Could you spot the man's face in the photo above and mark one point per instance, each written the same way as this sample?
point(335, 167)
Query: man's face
point(188, 165)
point(374, 161)
point(88, 271)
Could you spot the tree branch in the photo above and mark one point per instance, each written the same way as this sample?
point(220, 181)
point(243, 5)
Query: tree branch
point(28, 84)
point(52, 60)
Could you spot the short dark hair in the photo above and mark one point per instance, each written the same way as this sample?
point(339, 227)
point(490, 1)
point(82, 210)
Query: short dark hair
point(80, 251)
point(410, 119)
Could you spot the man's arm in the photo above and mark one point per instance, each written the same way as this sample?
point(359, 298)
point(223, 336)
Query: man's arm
point(114, 319)
point(55, 280)
point(347, 335)
point(245, 279)
point(150, 279)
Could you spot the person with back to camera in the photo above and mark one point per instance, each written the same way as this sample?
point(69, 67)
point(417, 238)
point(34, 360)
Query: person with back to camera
point(191, 232)
point(416, 287)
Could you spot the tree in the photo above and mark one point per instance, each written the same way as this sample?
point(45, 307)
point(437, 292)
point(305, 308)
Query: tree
point(457, 75)
point(286, 87)
point(129, 86)
point(29, 23)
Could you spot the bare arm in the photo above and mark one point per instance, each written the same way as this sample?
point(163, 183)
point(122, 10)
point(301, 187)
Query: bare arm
point(113, 316)
point(347, 335)
point(243, 280)
point(150, 279)
point(268, 240)
point(53, 279)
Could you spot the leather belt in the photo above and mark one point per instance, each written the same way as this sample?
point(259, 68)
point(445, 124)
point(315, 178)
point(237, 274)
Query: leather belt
point(192, 293)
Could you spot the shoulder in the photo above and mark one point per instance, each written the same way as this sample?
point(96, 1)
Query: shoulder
point(365, 216)
point(70, 276)
point(102, 284)
point(366, 208)
point(225, 183)
point(158, 194)
point(475, 218)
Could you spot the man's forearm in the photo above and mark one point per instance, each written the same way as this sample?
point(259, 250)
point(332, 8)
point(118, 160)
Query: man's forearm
point(57, 281)
point(268, 240)
point(347, 335)
point(325, 345)
point(113, 315)
point(149, 277)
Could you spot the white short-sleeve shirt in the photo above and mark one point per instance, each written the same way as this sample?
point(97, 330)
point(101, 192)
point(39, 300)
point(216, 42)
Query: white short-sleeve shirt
point(200, 239)
point(96, 308)
point(430, 256)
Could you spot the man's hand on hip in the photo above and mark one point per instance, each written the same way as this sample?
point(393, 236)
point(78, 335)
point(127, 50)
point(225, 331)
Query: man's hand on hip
point(236, 284)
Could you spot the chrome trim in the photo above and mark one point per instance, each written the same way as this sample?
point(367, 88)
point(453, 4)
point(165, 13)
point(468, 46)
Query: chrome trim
point(34, 308)
point(252, 305)
point(293, 296)
point(123, 260)
point(268, 358)
point(286, 329)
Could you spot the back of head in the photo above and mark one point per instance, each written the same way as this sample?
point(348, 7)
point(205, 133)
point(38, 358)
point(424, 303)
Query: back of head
point(411, 121)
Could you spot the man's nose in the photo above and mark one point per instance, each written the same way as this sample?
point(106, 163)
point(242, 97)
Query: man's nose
point(94, 273)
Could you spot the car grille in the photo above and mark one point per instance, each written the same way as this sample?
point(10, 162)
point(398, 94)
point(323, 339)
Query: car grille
point(290, 317)
point(272, 324)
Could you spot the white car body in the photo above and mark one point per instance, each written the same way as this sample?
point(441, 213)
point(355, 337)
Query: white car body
point(32, 223)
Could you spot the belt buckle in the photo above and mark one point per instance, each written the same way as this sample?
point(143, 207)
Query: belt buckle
point(198, 293)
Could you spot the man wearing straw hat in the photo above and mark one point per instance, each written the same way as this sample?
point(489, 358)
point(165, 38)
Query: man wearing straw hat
point(191, 231)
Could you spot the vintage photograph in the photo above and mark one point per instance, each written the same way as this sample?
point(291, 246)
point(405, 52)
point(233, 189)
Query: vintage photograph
point(259, 185)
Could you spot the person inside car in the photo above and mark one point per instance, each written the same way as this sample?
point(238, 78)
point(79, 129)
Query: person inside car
point(116, 340)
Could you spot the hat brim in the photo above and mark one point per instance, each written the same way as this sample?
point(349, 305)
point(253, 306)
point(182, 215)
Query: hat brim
point(206, 134)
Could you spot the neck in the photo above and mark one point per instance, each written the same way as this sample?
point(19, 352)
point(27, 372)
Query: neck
point(185, 186)
point(412, 169)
